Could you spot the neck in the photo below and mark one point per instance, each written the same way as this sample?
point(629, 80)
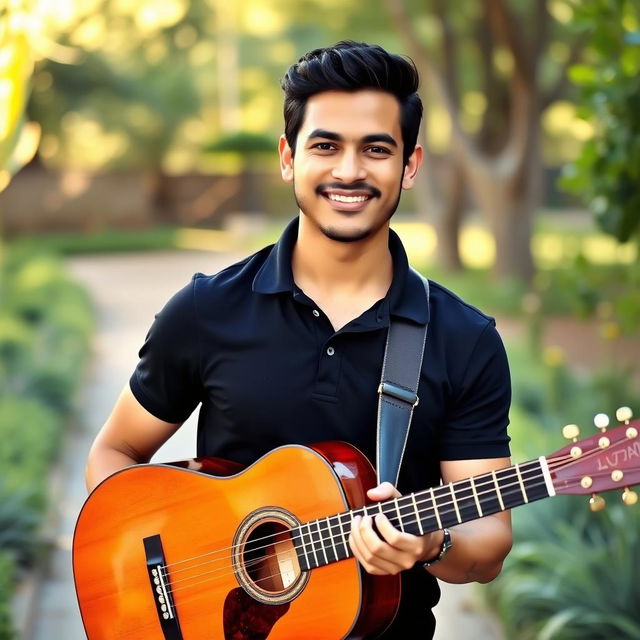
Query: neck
point(328, 265)
point(343, 278)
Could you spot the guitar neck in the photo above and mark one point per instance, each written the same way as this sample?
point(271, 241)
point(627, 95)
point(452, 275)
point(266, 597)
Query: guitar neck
point(323, 541)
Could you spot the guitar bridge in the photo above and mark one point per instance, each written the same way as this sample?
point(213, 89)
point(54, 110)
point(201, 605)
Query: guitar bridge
point(161, 588)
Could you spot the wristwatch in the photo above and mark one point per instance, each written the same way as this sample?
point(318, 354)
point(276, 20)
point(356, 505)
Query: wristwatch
point(447, 543)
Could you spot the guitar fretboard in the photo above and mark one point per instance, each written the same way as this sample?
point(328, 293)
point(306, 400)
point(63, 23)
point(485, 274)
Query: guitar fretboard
point(323, 541)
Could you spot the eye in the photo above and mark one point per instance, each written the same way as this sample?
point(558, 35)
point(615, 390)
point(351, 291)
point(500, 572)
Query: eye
point(376, 150)
point(323, 146)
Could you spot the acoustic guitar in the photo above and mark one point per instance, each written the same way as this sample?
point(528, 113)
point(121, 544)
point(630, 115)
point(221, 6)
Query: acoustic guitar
point(207, 550)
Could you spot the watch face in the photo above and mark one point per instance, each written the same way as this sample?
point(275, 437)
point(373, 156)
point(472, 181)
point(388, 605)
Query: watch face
point(447, 543)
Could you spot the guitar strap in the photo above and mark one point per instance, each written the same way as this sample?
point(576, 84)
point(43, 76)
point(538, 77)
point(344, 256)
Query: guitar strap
point(398, 391)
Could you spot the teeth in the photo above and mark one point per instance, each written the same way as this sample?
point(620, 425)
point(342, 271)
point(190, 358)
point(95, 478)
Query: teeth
point(339, 198)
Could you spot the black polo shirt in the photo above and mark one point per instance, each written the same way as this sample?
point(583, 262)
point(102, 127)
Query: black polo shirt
point(268, 369)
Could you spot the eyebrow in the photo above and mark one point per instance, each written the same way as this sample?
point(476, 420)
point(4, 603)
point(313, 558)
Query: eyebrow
point(372, 137)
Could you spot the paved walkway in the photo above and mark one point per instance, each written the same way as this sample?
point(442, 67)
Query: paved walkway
point(128, 290)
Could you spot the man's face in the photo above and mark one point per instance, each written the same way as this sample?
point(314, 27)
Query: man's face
point(348, 170)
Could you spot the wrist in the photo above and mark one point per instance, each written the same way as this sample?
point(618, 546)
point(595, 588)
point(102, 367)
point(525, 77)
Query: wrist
point(441, 551)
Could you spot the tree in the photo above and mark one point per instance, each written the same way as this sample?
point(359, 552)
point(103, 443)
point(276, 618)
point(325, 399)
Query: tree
point(18, 139)
point(502, 163)
point(607, 172)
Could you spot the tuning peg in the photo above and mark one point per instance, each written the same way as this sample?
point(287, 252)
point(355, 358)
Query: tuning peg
point(596, 503)
point(629, 497)
point(601, 420)
point(571, 432)
point(624, 414)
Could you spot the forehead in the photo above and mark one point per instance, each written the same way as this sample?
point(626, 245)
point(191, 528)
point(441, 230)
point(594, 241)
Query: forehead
point(353, 114)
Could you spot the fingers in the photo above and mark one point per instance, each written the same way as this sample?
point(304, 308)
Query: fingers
point(383, 491)
point(387, 552)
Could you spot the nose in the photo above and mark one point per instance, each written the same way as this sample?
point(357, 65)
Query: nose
point(349, 167)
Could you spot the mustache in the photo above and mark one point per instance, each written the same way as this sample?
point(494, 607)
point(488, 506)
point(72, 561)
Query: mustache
point(353, 186)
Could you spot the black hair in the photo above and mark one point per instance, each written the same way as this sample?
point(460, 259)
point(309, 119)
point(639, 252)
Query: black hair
point(353, 66)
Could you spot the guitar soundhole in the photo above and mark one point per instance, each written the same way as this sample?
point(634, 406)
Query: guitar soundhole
point(265, 559)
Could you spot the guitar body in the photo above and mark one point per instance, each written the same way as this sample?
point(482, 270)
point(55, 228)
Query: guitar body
point(202, 551)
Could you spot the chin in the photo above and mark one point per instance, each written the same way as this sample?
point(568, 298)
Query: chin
point(346, 236)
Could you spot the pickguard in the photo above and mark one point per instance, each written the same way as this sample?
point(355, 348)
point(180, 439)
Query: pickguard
point(247, 619)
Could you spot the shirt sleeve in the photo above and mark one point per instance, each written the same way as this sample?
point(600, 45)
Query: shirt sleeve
point(167, 381)
point(476, 427)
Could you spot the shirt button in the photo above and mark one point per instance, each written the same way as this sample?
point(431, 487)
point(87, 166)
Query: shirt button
point(330, 351)
point(316, 313)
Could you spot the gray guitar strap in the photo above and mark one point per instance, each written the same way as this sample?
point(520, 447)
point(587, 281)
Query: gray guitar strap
point(398, 392)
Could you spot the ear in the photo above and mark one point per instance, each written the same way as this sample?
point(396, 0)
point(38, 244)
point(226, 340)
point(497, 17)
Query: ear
point(411, 168)
point(286, 159)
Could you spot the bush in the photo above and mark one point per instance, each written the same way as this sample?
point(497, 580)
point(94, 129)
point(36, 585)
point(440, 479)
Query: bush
point(572, 573)
point(7, 631)
point(45, 325)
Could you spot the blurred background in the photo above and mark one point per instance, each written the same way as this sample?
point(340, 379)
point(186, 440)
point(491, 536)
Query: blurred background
point(137, 134)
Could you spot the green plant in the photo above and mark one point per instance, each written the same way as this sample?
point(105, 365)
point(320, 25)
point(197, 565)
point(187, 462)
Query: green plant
point(574, 577)
point(7, 631)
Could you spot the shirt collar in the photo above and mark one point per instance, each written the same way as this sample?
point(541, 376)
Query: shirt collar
point(406, 297)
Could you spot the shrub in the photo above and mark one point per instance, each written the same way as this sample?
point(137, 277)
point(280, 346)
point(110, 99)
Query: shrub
point(7, 631)
point(45, 324)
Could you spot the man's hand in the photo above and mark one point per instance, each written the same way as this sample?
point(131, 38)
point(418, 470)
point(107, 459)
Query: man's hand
point(389, 551)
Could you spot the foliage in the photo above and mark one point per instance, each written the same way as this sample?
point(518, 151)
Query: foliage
point(572, 573)
point(7, 631)
point(607, 173)
point(17, 141)
point(45, 323)
point(244, 142)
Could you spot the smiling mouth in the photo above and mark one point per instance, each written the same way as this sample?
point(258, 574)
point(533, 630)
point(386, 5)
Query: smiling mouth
point(336, 197)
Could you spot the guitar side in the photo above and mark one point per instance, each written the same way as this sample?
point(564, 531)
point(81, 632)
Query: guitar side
point(194, 520)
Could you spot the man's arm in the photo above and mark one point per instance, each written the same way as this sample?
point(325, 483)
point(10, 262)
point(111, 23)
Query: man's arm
point(479, 546)
point(131, 435)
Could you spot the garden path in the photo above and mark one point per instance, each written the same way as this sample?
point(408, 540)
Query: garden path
point(127, 291)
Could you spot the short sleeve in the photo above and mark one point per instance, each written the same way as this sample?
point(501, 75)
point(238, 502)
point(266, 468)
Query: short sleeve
point(476, 425)
point(167, 381)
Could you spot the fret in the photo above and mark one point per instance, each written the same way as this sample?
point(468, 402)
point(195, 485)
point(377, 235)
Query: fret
point(325, 540)
point(533, 478)
point(466, 508)
point(329, 540)
point(313, 545)
point(509, 488)
point(524, 493)
point(347, 550)
point(498, 493)
point(418, 518)
point(321, 541)
point(435, 508)
point(455, 501)
point(475, 496)
point(400, 523)
point(298, 542)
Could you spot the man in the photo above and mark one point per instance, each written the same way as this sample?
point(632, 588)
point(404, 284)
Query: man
point(287, 346)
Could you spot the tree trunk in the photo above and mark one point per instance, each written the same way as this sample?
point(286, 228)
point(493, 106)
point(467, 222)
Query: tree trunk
point(449, 223)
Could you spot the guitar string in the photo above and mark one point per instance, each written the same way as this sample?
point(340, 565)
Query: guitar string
point(252, 563)
point(329, 528)
point(224, 575)
point(421, 499)
point(552, 462)
point(324, 538)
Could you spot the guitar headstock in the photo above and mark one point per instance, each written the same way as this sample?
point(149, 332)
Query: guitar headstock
point(605, 461)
